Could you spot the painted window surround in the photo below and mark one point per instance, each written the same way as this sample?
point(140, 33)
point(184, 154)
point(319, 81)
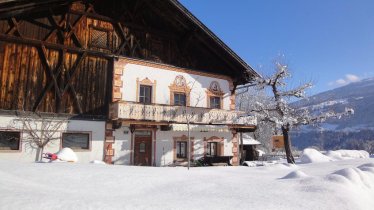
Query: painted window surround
point(127, 71)
point(79, 132)
point(180, 86)
point(220, 144)
point(214, 90)
point(183, 138)
point(146, 82)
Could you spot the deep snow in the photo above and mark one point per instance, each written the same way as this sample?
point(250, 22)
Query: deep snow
point(344, 184)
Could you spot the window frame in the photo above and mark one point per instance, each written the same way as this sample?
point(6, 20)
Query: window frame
point(19, 141)
point(179, 86)
point(180, 94)
point(183, 138)
point(214, 90)
point(179, 148)
point(209, 149)
point(150, 93)
point(219, 104)
point(109, 38)
point(146, 82)
point(78, 132)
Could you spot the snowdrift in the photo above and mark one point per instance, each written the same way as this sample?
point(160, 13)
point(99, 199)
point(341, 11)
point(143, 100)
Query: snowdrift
point(356, 182)
point(295, 175)
point(67, 154)
point(348, 154)
point(313, 156)
point(100, 162)
point(310, 155)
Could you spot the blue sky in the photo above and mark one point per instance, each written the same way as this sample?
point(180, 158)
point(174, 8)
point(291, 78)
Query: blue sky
point(328, 42)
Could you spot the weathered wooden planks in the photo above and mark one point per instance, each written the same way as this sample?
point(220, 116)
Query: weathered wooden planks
point(23, 79)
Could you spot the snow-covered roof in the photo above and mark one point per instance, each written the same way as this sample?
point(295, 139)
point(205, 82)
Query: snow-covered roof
point(248, 140)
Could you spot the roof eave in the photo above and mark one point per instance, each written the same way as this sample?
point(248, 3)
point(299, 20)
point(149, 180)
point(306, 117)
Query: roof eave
point(189, 15)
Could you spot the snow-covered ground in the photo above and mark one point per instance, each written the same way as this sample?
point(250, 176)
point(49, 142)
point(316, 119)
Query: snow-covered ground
point(343, 184)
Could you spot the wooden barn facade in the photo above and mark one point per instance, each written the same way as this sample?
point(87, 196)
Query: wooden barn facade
point(68, 58)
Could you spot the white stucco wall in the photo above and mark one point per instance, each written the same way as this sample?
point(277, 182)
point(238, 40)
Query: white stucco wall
point(122, 146)
point(28, 153)
point(97, 129)
point(164, 78)
point(164, 145)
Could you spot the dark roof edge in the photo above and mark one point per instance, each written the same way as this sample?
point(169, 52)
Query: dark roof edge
point(186, 12)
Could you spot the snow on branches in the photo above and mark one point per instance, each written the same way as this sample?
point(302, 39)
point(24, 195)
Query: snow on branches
point(277, 108)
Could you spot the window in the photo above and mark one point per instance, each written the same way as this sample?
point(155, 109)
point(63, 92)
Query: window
point(10, 140)
point(99, 38)
point(142, 147)
point(181, 149)
point(214, 96)
point(215, 102)
point(179, 99)
point(211, 149)
point(179, 92)
point(145, 94)
point(78, 141)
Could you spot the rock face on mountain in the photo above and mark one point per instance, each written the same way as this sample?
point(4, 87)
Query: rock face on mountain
point(353, 132)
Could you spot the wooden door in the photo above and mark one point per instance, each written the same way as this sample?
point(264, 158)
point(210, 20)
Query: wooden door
point(143, 151)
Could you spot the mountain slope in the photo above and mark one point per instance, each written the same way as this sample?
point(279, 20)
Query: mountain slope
point(358, 95)
point(353, 132)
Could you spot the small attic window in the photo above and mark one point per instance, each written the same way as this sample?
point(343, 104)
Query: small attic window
point(99, 38)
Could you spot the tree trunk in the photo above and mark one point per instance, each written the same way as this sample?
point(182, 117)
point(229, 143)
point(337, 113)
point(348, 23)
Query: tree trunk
point(38, 154)
point(287, 145)
point(41, 154)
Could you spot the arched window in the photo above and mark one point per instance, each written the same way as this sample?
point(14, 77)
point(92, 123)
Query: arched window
point(179, 92)
point(214, 96)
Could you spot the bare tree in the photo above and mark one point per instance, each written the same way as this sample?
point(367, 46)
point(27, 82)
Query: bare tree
point(189, 116)
point(39, 130)
point(246, 102)
point(278, 110)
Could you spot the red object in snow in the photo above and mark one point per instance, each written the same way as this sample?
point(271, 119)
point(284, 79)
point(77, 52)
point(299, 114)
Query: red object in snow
point(50, 156)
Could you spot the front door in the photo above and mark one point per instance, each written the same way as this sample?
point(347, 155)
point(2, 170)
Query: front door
point(143, 148)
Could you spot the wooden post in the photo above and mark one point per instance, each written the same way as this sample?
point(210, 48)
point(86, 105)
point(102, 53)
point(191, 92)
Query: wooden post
point(241, 148)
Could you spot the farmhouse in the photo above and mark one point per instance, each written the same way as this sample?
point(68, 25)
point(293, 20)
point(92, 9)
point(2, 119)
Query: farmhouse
point(128, 80)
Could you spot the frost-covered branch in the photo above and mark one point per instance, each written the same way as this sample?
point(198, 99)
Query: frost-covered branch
point(298, 92)
point(276, 108)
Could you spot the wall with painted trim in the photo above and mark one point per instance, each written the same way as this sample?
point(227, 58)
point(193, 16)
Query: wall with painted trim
point(29, 153)
point(165, 144)
point(164, 78)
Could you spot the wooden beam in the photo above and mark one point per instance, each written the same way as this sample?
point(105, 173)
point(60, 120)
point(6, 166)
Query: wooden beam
point(54, 46)
point(69, 80)
point(13, 27)
point(49, 85)
point(56, 28)
point(92, 15)
point(223, 58)
point(127, 24)
point(124, 40)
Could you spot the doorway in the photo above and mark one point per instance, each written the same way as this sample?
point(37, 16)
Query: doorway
point(143, 148)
